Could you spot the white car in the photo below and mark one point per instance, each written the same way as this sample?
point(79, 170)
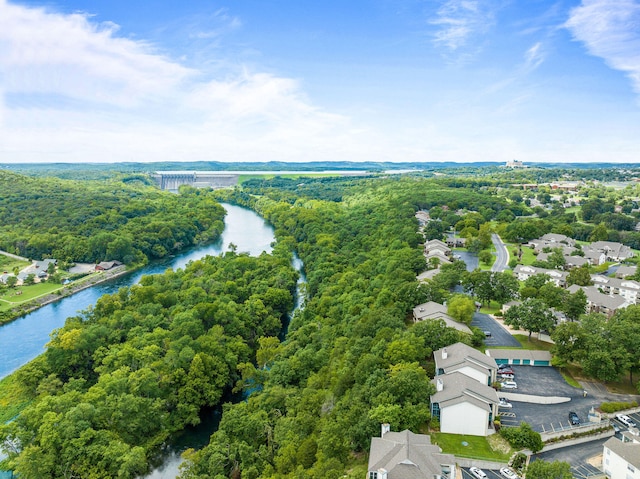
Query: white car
point(509, 385)
point(506, 375)
point(504, 403)
point(508, 473)
point(479, 473)
point(626, 420)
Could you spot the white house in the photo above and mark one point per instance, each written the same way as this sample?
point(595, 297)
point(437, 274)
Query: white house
point(559, 278)
point(463, 405)
point(461, 358)
point(400, 455)
point(628, 289)
point(621, 460)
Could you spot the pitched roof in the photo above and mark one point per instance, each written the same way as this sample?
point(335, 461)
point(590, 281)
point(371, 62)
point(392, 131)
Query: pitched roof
point(459, 354)
point(407, 455)
point(595, 297)
point(433, 310)
point(519, 354)
point(629, 451)
point(458, 387)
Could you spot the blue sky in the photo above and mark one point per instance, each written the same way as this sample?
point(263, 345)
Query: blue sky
point(262, 80)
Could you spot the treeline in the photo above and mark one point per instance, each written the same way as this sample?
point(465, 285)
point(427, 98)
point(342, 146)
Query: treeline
point(350, 360)
point(76, 221)
point(117, 380)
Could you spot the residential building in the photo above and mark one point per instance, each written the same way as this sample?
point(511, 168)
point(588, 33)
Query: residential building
point(461, 358)
point(614, 251)
point(464, 405)
point(558, 240)
point(629, 289)
point(405, 455)
point(432, 311)
point(621, 459)
point(598, 302)
point(559, 278)
point(624, 271)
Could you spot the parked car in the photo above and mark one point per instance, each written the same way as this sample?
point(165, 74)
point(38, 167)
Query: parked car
point(479, 473)
point(506, 370)
point(509, 385)
point(502, 366)
point(487, 334)
point(508, 473)
point(626, 420)
point(504, 403)
point(506, 375)
point(574, 419)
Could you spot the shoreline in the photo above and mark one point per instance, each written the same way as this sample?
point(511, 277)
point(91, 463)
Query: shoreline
point(65, 291)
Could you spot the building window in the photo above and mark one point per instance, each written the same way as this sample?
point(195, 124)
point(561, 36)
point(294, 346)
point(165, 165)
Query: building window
point(631, 468)
point(373, 475)
point(435, 410)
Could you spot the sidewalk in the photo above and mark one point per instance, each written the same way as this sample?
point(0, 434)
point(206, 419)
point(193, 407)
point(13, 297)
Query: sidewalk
point(530, 398)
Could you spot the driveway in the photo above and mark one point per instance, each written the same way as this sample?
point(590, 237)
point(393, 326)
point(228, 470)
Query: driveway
point(499, 335)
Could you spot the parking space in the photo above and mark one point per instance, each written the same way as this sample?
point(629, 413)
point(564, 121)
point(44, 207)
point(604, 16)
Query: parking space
point(635, 417)
point(491, 474)
point(499, 335)
point(581, 457)
point(545, 381)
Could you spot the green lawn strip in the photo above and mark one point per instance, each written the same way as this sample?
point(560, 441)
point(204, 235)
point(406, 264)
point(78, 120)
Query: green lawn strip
point(491, 308)
point(477, 447)
point(569, 378)
point(13, 398)
point(528, 256)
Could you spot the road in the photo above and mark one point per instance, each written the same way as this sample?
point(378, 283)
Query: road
point(502, 254)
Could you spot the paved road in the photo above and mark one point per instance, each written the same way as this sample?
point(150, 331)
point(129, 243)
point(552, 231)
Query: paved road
point(502, 254)
point(499, 335)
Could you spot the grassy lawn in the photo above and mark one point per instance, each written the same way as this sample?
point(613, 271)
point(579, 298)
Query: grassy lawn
point(12, 299)
point(7, 264)
point(621, 386)
point(477, 447)
point(491, 308)
point(13, 398)
point(528, 257)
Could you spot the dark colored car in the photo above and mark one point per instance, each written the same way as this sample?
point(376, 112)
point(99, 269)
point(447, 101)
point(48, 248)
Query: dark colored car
point(574, 419)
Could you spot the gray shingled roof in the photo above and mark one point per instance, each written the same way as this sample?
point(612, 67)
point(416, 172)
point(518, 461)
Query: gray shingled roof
point(406, 455)
point(629, 451)
point(433, 310)
point(458, 387)
point(459, 354)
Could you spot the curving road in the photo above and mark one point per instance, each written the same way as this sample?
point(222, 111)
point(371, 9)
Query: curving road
point(502, 254)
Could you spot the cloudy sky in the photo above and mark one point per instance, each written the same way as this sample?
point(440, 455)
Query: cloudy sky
point(262, 80)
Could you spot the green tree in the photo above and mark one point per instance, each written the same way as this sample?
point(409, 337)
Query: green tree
point(532, 315)
point(461, 308)
point(580, 276)
point(485, 257)
point(574, 305)
point(540, 469)
point(600, 233)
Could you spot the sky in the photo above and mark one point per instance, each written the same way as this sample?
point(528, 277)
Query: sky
point(338, 80)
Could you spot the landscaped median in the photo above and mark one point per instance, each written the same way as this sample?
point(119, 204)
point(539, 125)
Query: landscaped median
point(490, 448)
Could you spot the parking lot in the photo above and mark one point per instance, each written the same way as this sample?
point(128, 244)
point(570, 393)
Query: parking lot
point(577, 456)
point(491, 474)
point(499, 335)
point(544, 381)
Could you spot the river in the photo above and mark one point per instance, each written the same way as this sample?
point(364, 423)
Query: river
point(25, 338)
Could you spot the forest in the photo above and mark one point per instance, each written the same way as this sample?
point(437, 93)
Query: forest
point(117, 380)
point(93, 221)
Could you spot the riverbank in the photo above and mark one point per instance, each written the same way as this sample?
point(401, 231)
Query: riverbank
point(64, 291)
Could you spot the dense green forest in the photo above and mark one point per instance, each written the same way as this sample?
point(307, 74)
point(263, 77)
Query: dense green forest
point(350, 362)
point(117, 380)
point(103, 220)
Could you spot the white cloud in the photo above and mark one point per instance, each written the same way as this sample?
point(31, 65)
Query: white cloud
point(610, 29)
point(462, 20)
point(73, 90)
point(534, 57)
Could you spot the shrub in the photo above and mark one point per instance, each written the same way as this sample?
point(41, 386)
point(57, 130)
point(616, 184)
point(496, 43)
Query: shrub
point(610, 407)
